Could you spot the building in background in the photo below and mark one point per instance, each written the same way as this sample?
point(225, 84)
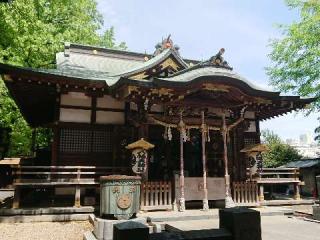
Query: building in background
point(309, 169)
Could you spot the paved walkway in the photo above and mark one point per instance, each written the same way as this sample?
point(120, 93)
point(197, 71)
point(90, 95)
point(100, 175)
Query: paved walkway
point(273, 227)
point(161, 216)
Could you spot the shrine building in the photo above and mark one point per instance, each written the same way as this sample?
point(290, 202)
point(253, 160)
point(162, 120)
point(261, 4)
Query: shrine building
point(201, 117)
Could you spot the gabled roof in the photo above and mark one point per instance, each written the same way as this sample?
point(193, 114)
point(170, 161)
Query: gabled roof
point(112, 61)
point(158, 59)
point(304, 163)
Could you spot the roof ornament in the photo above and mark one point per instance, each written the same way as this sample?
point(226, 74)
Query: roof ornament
point(218, 60)
point(166, 43)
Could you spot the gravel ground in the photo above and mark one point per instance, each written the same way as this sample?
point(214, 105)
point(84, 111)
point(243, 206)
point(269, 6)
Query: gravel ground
point(44, 230)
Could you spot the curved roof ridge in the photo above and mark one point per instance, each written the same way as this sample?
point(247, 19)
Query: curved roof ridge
point(199, 70)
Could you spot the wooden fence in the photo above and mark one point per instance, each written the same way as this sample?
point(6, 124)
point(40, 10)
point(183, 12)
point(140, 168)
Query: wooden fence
point(156, 195)
point(245, 193)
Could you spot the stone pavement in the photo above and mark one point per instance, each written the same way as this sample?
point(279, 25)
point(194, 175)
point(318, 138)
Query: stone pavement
point(161, 216)
point(273, 227)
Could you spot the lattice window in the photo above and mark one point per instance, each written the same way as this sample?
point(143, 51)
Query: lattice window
point(75, 140)
point(85, 141)
point(102, 141)
point(249, 141)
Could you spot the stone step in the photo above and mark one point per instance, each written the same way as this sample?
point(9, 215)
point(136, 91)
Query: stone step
point(43, 211)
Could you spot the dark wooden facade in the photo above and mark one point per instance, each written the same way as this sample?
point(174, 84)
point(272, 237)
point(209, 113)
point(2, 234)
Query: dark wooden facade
point(99, 100)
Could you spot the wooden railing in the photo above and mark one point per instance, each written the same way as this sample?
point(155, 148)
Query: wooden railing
point(53, 176)
point(276, 175)
point(61, 175)
point(245, 193)
point(156, 195)
point(272, 176)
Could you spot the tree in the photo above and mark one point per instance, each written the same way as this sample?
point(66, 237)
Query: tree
point(296, 57)
point(32, 32)
point(278, 152)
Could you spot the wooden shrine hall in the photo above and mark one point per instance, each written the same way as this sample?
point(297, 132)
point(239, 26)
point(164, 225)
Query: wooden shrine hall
point(198, 115)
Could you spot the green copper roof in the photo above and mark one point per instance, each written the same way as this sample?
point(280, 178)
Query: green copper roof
point(202, 71)
point(98, 63)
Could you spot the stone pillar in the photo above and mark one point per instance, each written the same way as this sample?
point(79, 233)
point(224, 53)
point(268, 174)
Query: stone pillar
point(181, 204)
point(204, 163)
point(228, 199)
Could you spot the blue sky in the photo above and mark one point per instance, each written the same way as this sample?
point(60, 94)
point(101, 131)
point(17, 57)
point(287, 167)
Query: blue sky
point(201, 28)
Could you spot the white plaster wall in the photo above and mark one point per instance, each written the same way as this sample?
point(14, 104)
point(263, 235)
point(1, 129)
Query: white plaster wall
point(75, 115)
point(109, 102)
point(105, 117)
point(75, 99)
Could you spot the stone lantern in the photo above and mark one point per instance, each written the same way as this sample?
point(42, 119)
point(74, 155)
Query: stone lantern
point(255, 158)
point(139, 155)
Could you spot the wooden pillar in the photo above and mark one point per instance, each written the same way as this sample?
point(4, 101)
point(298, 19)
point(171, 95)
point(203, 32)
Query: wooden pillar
point(55, 146)
point(261, 193)
point(16, 198)
point(204, 163)
point(33, 142)
point(228, 199)
point(182, 206)
point(77, 202)
point(77, 196)
point(56, 133)
point(297, 191)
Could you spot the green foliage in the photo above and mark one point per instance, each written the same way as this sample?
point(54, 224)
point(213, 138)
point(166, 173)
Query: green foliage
point(278, 152)
point(32, 32)
point(10, 117)
point(296, 57)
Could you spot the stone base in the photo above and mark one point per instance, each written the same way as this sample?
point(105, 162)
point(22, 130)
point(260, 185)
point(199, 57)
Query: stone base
point(182, 205)
point(103, 228)
point(130, 230)
point(230, 203)
point(316, 212)
point(205, 206)
point(244, 224)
